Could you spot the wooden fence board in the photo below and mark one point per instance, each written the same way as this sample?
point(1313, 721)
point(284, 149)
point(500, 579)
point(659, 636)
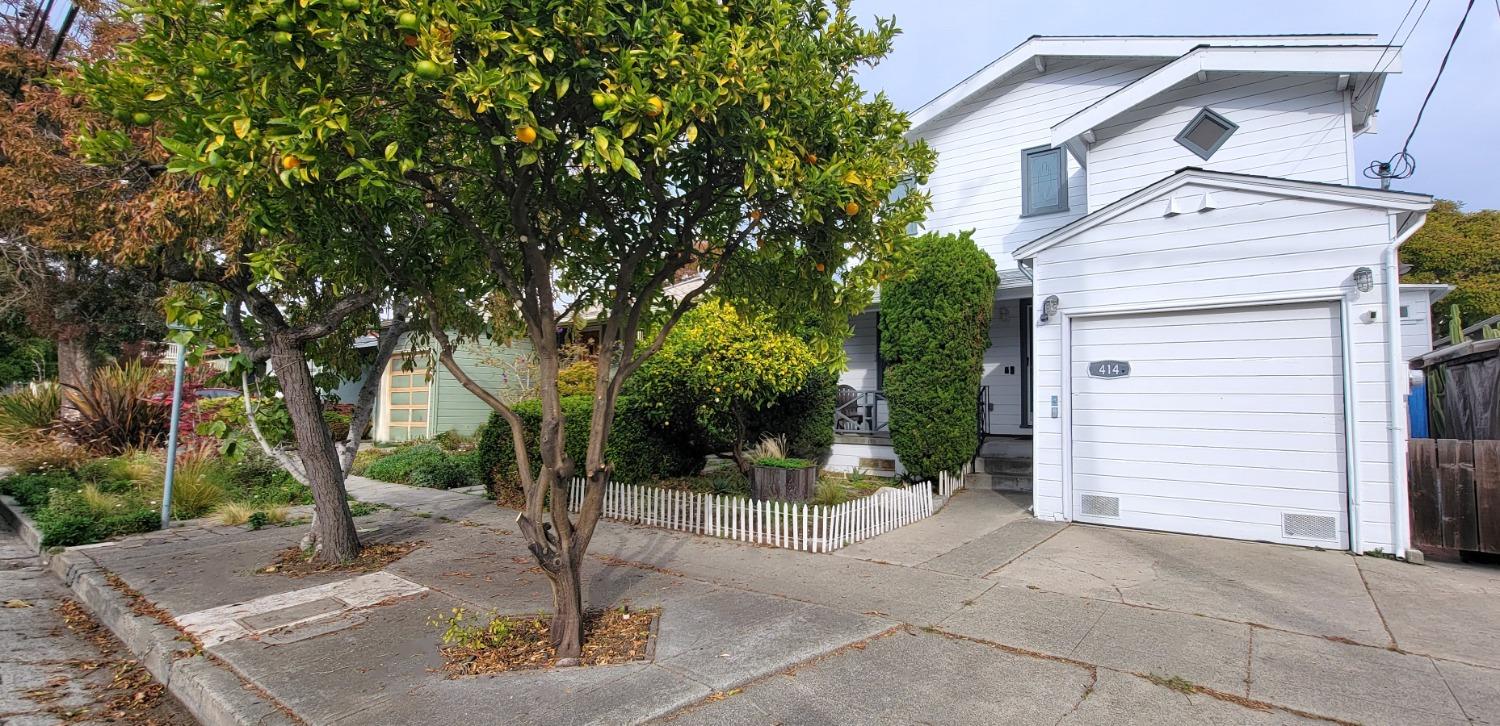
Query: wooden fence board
point(1487, 494)
point(1426, 509)
point(1455, 475)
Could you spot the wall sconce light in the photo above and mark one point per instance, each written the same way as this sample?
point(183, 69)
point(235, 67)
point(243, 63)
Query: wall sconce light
point(1049, 309)
point(1364, 279)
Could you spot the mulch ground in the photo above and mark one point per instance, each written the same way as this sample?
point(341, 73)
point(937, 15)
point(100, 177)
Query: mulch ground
point(293, 562)
point(122, 690)
point(610, 637)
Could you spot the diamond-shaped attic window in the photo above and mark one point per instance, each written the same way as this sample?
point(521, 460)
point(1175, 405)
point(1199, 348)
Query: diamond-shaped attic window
point(1206, 133)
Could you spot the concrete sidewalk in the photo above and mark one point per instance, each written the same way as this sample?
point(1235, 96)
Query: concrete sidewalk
point(982, 615)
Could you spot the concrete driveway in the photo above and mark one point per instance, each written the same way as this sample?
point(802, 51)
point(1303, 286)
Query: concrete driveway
point(978, 615)
point(1085, 624)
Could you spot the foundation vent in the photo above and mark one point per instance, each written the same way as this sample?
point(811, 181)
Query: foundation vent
point(1309, 526)
point(1097, 506)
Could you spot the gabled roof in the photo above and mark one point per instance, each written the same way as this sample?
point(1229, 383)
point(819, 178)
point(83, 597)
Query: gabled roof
point(1413, 204)
point(1356, 63)
point(1034, 51)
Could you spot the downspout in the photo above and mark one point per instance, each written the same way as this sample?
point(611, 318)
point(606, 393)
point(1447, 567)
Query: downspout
point(1396, 396)
point(1026, 270)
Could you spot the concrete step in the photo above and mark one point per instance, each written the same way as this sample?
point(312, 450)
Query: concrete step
point(1014, 466)
point(999, 482)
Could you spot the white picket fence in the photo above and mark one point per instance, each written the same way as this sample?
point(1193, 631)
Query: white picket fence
point(951, 482)
point(792, 525)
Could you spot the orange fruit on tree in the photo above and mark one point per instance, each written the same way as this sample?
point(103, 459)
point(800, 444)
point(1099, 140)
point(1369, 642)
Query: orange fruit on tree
point(811, 158)
point(851, 209)
point(755, 215)
point(654, 106)
point(820, 267)
point(526, 134)
point(290, 162)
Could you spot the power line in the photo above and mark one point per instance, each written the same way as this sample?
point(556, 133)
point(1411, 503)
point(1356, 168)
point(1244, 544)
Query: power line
point(1381, 63)
point(1402, 165)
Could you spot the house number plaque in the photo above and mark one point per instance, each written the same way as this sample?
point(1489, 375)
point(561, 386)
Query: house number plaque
point(1109, 369)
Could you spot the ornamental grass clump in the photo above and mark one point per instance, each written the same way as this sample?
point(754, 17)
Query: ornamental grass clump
point(30, 412)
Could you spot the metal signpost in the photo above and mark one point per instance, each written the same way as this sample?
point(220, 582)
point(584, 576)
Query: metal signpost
point(166, 488)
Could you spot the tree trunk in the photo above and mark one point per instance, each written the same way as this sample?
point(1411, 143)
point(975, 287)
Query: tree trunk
point(337, 539)
point(567, 612)
point(74, 369)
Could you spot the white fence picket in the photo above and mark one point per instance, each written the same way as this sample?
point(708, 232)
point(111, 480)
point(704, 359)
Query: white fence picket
point(790, 525)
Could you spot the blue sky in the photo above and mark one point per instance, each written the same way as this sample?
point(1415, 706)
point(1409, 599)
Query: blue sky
point(1458, 157)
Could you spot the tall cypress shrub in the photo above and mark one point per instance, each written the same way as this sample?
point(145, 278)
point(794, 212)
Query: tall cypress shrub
point(934, 329)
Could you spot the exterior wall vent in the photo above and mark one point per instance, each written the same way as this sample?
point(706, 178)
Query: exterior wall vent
point(1097, 506)
point(1309, 526)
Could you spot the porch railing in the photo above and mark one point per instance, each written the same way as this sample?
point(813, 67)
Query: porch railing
point(860, 412)
point(866, 412)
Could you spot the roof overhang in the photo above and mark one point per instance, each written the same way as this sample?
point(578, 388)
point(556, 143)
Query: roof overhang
point(1435, 291)
point(1410, 206)
point(1351, 64)
point(1035, 51)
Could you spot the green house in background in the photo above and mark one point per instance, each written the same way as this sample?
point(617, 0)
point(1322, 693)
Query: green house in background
point(420, 399)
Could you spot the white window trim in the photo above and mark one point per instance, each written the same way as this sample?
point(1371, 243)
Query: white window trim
point(1027, 210)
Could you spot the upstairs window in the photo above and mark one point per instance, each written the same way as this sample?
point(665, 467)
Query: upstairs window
point(1044, 181)
point(1206, 133)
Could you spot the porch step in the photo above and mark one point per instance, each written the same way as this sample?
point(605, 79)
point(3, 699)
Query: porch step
point(1007, 465)
point(999, 482)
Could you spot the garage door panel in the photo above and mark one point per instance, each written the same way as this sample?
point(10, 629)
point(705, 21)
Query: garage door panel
point(1317, 330)
point(1210, 421)
point(1262, 529)
point(1210, 385)
point(1279, 478)
point(1269, 403)
point(1132, 489)
point(1169, 350)
point(1276, 439)
point(1230, 423)
point(1240, 455)
point(1258, 367)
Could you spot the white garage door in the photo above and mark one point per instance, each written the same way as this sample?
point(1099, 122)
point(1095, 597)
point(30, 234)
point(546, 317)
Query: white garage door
point(1228, 423)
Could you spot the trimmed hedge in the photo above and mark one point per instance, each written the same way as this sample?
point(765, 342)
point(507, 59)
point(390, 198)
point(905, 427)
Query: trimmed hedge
point(425, 465)
point(934, 329)
point(638, 450)
point(805, 418)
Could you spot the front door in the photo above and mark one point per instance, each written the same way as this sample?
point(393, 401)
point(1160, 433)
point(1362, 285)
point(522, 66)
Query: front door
point(1026, 383)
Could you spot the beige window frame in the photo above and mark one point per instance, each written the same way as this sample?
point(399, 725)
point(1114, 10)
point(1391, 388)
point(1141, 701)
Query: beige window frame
point(408, 398)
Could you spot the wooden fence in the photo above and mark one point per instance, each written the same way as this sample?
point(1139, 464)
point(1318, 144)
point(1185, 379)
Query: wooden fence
point(792, 525)
point(1454, 487)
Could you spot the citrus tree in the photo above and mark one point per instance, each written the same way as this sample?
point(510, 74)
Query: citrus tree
point(553, 159)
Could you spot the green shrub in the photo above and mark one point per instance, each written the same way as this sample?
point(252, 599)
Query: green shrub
point(577, 378)
point(33, 490)
point(804, 418)
point(722, 381)
point(397, 466)
point(934, 329)
point(450, 472)
point(255, 479)
point(71, 517)
point(30, 411)
point(638, 449)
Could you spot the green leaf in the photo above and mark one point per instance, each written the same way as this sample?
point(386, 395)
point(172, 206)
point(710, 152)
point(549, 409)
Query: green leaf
point(391, 149)
point(631, 169)
point(347, 172)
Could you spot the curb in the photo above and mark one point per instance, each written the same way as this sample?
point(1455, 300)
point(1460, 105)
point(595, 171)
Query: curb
point(10, 512)
point(215, 695)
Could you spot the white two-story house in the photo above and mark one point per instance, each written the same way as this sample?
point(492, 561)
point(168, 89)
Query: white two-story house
point(1198, 322)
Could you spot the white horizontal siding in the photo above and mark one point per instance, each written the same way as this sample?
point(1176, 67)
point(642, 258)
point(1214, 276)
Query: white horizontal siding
point(860, 353)
point(1290, 125)
point(1416, 327)
point(1254, 244)
point(977, 184)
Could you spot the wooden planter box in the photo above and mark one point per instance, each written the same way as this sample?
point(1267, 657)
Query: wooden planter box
point(792, 485)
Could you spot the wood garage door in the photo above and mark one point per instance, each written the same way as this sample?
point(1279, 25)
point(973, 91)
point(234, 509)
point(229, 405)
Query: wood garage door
point(1230, 423)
